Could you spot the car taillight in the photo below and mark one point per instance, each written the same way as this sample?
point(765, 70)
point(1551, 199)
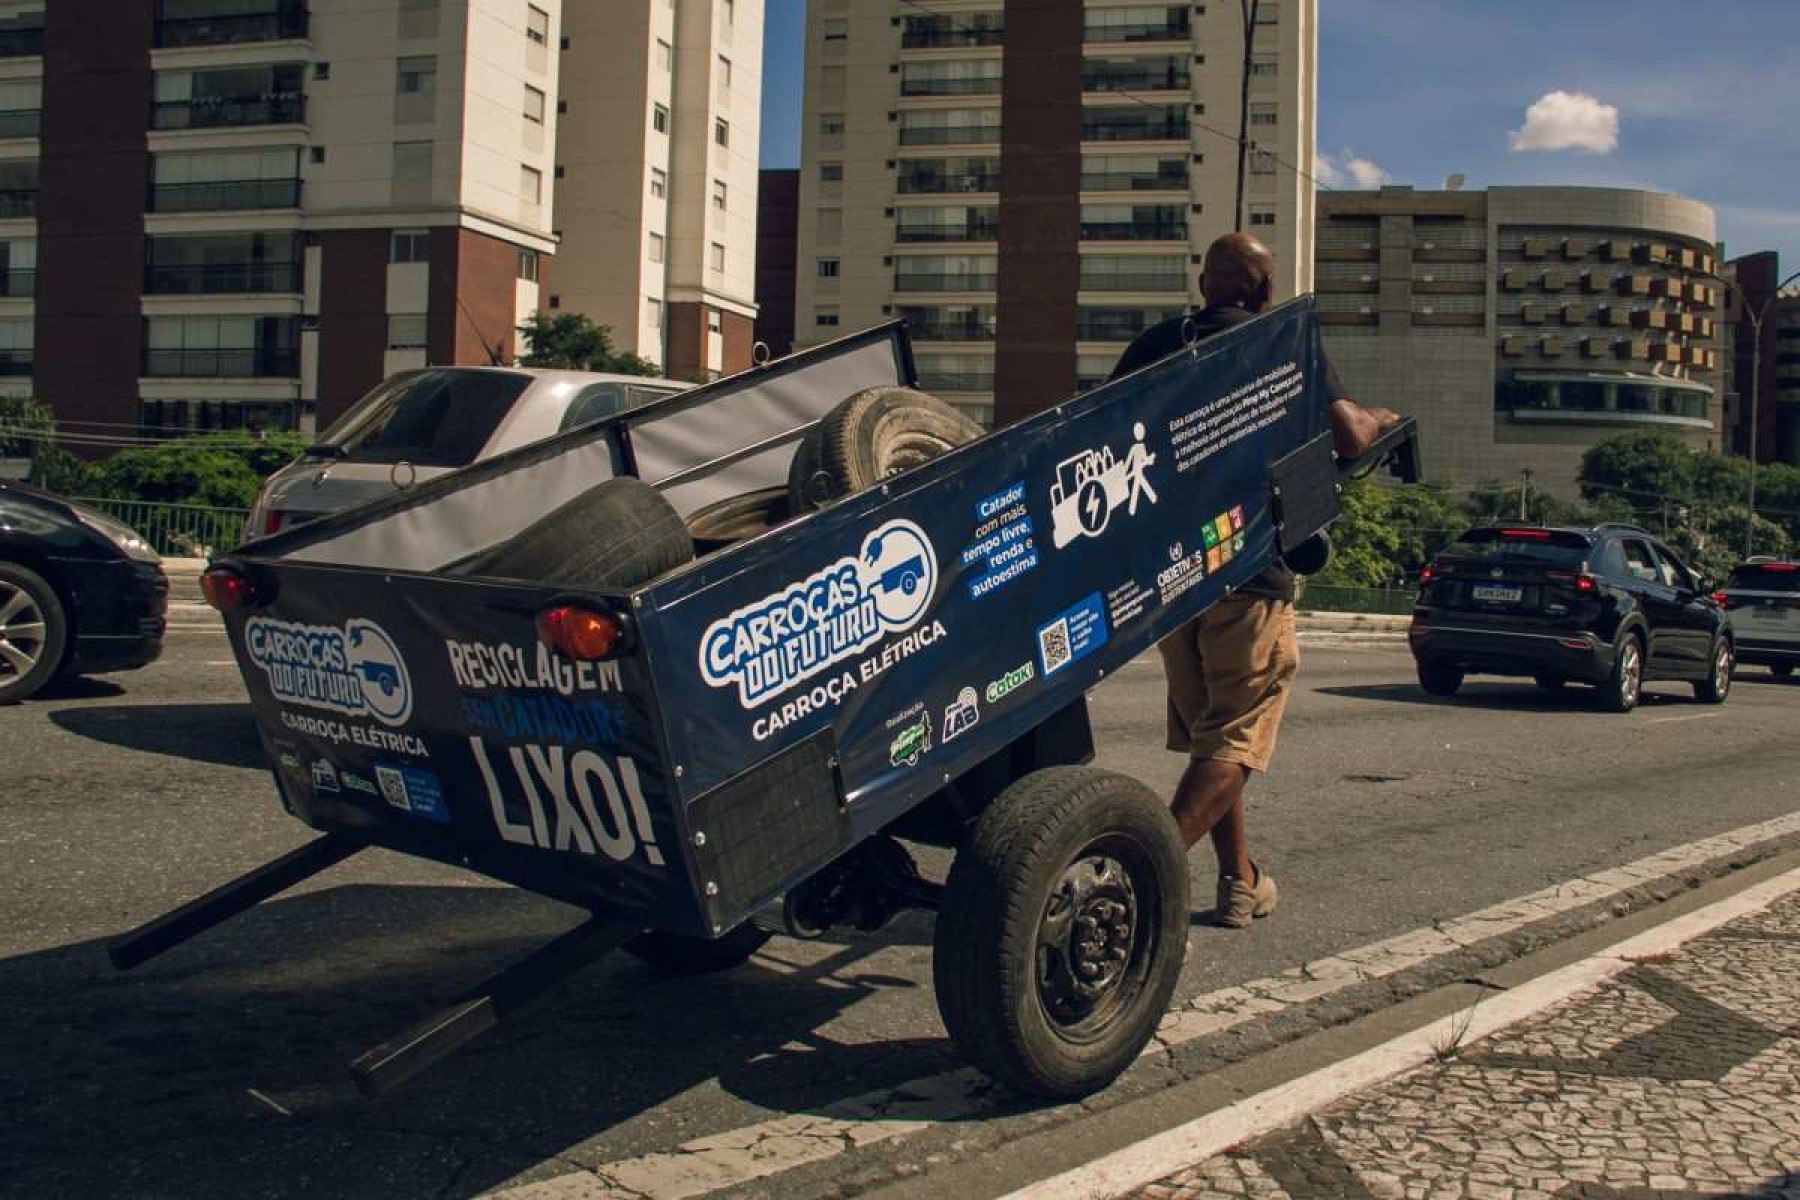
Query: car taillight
point(581, 633)
point(1427, 574)
point(1530, 535)
point(1721, 599)
point(226, 590)
point(272, 522)
point(1781, 568)
point(1586, 584)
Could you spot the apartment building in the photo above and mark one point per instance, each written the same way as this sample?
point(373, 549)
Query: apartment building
point(1031, 182)
point(657, 190)
point(1523, 324)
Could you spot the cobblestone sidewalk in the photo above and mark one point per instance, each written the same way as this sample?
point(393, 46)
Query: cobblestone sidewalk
point(1678, 1080)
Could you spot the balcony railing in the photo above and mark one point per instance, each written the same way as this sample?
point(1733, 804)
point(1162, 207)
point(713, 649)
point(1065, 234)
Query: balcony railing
point(18, 283)
point(926, 38)
point(930, 281)
point(957, 381)
point(950, 331)
point(1127, 181)
point(1159, 31)
point(1115, 329)
point(1169, 79)
point(232, 27)
point(20, 123)
point(947, 135)
point(238, 363)
point(1115, 129)
point(225, 194)
point(935, 184)
point(1133, 281)
point(15, 362)
point(227, 111)
point(17, 43)
point(1134, 231)
point(971, 231)
point(19, 203)
point(211, 278)
point(979, 85)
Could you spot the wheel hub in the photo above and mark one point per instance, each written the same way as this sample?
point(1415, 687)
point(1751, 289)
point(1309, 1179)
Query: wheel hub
point(1087, 937)
point(21, 631)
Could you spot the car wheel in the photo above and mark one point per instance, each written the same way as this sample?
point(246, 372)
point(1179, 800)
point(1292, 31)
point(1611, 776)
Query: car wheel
point(1782, 670)
point(1550, 683)
point(34, 631)
point(1439, 679)
point(878, 432)
point(1717, 684)
point(615, 535)
point(1622, 688)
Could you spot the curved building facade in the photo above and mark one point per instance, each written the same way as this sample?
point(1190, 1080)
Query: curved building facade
point(1523, 324)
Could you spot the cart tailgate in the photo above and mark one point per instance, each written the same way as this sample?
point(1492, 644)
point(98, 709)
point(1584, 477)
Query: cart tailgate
point(422, 713)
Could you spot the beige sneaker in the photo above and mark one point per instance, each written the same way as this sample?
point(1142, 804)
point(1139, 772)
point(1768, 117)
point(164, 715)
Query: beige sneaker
point(1239, 902)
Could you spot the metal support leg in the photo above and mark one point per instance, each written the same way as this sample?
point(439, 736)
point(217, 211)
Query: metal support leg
point(246, 891)
point(448, 1030)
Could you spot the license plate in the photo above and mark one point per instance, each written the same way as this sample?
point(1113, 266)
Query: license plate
point(1498, 593)
point(1769, 614)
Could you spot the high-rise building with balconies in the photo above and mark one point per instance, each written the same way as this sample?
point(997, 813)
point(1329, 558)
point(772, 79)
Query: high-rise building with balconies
point(1031, 182)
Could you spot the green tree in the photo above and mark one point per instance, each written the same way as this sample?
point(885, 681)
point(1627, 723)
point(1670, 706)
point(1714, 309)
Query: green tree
point(1642, 468)
point(25, 426)
point(220, 470)
point(572, 341)
point(1385, 534)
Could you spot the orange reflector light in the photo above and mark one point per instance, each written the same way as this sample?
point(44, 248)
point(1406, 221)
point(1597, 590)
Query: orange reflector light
point(225, 589)
point(580, 633)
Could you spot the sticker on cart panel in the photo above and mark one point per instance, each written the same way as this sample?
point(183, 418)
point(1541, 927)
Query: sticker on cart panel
point(352, 669)
point(1076, 632)
point(1094, 484)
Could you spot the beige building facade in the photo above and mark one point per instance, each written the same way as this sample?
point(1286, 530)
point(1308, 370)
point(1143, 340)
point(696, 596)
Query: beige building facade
point(1031, 182)
point(1523, 324)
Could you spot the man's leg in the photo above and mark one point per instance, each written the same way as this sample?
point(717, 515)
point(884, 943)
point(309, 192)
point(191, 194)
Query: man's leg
point(1210, 800)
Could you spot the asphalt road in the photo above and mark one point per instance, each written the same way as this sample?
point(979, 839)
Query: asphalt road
point(219, 1069)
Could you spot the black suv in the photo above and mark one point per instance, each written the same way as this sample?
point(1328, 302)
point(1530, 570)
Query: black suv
point(1609, 606)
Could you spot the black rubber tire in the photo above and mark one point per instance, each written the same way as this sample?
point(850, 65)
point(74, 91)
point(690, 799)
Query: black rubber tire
point(1550, 683)
point(1439, 679)
point(55, 638)
point(1716, 687)
point(878, 433)
point(1782, 670)
point(682, 954)
point(1311, 556)
point(1617, 694)
point(740, 517)
point(614, 536)
point(808, 489)
point(985, 955)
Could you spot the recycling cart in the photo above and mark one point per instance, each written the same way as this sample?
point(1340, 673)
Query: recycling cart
point(763, 729)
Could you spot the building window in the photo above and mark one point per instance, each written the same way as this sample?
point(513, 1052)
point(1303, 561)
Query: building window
point(409, 246)
point(659, 118)
point(534, 104)
point(831, 172)
point(529, 265)
point(825, 318)
point(724, 75)
point(412, 160)
point(416, 76)
point(1264, 65)
point(1263, 113)
point(653, 312)
point(1268, 12)
point(837, 31)
point(729, 11)
point(722, 131)
point(531, 184)
point(659, 182)
point(714, 323)
point(828, 268)
point(1262, 162)
point(719, 194)
point(406, 331)
point(831, 124)
point(1262, 214)
point(658, 248)
point(665, 56)
point(715, 256)
point(537, 25)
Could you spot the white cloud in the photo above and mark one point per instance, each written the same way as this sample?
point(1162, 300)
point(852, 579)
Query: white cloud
point(1346, 170)
point(1562, 120)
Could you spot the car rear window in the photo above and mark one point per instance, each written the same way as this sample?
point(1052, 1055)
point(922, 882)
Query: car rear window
point(429, 418)
point(1766, 577)
point(1541, 545)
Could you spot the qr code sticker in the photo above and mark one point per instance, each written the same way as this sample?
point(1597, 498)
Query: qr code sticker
point(393, 787)
point(1053, 641)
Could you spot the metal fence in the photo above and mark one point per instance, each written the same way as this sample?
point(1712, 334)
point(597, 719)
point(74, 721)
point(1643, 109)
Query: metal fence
point(176, 530)
point(1320, 597)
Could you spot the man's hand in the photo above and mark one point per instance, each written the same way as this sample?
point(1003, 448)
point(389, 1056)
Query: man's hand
point(1354, 428)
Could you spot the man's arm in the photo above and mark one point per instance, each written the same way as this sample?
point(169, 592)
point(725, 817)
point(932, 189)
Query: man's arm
point(1355, 428)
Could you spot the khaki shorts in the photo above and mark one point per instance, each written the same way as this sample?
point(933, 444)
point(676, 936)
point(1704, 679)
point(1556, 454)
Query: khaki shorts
point(1230, 670)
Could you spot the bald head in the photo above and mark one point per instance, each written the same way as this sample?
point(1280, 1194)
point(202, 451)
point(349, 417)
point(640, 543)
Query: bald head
point(1238, 270)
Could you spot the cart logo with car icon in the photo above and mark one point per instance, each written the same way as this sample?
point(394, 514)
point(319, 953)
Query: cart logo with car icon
point(355, 669)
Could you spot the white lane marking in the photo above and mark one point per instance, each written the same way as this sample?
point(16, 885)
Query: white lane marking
point(1200, 1139)
point(736, 1157)
point(1692, 717)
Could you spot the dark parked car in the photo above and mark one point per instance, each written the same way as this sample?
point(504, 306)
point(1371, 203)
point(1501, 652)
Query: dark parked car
point(1763, 598)
point(1608, 605)
point(79, 592)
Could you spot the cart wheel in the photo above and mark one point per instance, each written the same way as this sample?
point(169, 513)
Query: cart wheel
point(682, 954)
point(617, 534)
point(878, 432)
point(1062, 931)
point(740, 517)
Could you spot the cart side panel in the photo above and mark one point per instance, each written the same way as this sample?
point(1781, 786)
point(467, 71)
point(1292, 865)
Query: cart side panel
point(423, 714)
point(926, 624)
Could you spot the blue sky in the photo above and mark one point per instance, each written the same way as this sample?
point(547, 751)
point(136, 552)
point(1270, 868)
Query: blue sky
point(1703, 100)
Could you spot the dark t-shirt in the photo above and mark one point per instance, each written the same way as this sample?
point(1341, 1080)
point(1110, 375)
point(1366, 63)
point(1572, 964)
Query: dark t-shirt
point(1165, 338)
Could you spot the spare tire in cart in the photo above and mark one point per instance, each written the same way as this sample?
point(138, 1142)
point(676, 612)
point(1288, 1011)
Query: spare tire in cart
point(878, 432)
point(613, 536)
point(1062, 930)
point(739, 517)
